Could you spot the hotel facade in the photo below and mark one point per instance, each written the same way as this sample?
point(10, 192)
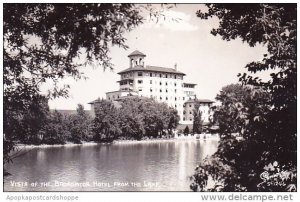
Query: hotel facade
point(161, 84)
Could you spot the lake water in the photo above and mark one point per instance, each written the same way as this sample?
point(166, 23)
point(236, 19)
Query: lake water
point(153, 166)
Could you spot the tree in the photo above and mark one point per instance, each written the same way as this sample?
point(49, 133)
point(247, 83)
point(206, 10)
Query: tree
point(186, 130)
point(173, 120)
point(197, 123)
point(268, 133)
point(133, 118)
point(42, 43)
point(152, 117)
point(235, 166)
point(23, 126)
point(56, 130)
point(106, 123)
point(80, 125)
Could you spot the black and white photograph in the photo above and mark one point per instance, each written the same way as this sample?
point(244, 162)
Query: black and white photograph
point(150, 97)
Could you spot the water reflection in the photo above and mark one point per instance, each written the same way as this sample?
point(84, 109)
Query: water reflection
point(168, 164)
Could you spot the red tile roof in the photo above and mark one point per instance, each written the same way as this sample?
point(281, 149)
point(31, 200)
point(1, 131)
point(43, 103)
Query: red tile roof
point(136, 52)
point(152, 69)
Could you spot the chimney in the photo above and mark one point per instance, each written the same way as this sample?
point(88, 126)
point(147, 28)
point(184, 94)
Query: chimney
point(175, 66)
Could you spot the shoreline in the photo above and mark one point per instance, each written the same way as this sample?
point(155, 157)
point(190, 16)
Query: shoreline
point(92, 143)
point(68, 144)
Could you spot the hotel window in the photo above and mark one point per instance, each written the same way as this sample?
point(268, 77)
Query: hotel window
point(183, 112)
point(175, 98)
point(166, 98)
point(174, 84)
point(166, 76)
point(184, 118)
point(140, 90)
point(190, 112)
point(150, 74)
point(175, 77)
point(140, 81)
point(175, 90)
point(160, 98)
point(166, 90)
point(160, 90)
point(160, 83)
point(150, 81)
point(160, 75)
point(140, 73)
point(150, 89)
point(175, 106)
point(190, 105)
point(166, 83)
point(191, 119)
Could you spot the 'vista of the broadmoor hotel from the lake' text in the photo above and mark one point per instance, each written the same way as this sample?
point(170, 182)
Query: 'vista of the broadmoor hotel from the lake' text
point(160, 83)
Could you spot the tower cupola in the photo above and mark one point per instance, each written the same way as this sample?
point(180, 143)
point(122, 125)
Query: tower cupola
point(136, 58)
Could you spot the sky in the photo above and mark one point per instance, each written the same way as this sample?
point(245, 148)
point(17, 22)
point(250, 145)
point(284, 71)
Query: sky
point(207, 60)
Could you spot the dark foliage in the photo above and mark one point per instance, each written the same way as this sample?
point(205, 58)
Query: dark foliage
point(186, 130)
point(133, 118)
point(197, 123)
point(257, 124)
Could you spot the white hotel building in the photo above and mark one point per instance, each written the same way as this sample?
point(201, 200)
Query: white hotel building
point(160, 83)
